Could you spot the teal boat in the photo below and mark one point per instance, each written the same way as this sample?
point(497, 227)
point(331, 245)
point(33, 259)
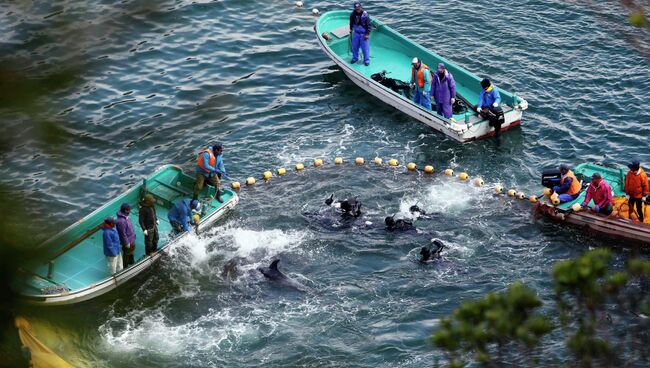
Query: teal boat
point(615, 226)
point(75, 268)
point(392, 53)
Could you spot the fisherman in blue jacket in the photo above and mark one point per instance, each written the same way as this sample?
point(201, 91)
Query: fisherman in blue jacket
point(180, 216)
point(112, 247)
point(210, 169)
point(360, 32)
point(489, 105)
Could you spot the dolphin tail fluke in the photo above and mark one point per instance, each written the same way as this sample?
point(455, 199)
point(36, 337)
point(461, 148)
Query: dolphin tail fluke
point(274, 265)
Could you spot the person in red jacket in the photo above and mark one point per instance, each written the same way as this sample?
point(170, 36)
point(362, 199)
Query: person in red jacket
point(636, 186)
point(601, 193)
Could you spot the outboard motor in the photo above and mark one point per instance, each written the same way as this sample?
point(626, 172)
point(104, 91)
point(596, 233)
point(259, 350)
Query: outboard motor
point(551, 177)
point(395, 85)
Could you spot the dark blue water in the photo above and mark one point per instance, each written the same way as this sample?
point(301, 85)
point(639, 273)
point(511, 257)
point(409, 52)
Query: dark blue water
point(158, 80)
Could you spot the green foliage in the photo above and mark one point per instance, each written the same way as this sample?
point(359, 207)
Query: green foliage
point(585, 288)
point(495, 322)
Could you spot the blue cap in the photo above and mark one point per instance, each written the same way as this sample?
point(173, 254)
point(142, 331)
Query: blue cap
point(441, 66)
point(194, 204)
point(357, 5)
point(125, 207)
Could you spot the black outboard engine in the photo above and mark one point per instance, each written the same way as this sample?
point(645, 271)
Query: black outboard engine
point(551, 177)
point(395, 85)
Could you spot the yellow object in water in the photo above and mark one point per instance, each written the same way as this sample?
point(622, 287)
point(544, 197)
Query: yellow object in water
point(360, 161)
point(393, 162)
point(533, 199)
point(498, 189)
point(449, 172)
point(338, 160)
point(378, 161)
point(318, 162)
point(250, 180)
point(235, 185)
point(548, 192)
point(428, 169)
point(40, 355)
point(512, 193)
point(281, 171)
point(521, 195)
point(463, 176)
point(300, 167)
point(411, 166)
point(478, 182)
point(267, 175)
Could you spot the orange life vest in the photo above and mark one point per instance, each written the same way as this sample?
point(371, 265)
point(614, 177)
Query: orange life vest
point(423, 67)
point(575, 184)
point(213, 160)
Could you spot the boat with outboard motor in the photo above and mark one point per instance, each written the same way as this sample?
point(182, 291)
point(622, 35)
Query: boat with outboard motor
point(390, 66)
point(75, 268)
point(615, 226)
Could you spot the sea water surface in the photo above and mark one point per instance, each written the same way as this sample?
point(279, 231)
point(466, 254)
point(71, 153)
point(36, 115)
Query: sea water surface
point(159, 80)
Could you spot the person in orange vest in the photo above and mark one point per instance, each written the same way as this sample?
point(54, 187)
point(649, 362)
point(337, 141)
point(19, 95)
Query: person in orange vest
point(210, 168)
point(421, 83)
point(636, 186)
point(569, 187)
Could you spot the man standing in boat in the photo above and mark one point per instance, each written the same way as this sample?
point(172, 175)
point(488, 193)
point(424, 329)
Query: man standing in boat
point(360, 32)
point(421, 82)
point(636, 186)
point(489, 105)
point(209, 169)
point(443, 91)
point(600, 191)
point(149, 223)
point(112, 249)
point(127, 234)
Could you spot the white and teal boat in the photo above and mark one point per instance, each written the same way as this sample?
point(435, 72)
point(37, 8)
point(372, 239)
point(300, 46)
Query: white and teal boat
point(75, 269)
point(391, 52)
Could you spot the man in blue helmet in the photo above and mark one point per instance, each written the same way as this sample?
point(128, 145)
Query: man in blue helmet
point(180, 216)
point(360, 32)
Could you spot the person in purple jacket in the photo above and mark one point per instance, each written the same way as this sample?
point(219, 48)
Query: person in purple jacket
point(360, 27)
point(112, 249)
point(443, 91)
point(127, 234)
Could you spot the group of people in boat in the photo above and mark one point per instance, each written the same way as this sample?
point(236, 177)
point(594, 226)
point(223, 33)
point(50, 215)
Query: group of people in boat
point(119, 234)
point(599, 190)
point(427, 85)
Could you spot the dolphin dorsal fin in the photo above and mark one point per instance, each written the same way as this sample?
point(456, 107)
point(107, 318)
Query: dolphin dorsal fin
point(274, 265)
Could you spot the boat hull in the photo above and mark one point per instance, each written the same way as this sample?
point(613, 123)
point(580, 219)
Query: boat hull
point(616, 228)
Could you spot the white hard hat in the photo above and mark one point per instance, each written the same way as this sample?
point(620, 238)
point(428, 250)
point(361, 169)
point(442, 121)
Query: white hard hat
point(415, 60)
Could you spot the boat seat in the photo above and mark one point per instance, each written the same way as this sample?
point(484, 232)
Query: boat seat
point(341, 32)
point(167, 193)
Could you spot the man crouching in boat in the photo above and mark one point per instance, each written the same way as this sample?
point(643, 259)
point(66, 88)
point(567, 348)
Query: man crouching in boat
point(489, 105)
point(601, 193)
point(569, 187)
point(180, 216)
point(421, 82)
point(360, 32)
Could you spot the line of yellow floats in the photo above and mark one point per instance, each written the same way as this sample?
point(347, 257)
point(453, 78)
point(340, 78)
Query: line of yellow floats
point(411, 166)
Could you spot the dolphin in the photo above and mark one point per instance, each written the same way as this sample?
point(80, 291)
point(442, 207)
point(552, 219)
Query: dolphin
point(230, 269)
point(272, 273)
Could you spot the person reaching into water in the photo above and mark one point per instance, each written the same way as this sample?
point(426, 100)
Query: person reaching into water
point(349, 207)
point(636, 186)
point(600, 191)
point(428, 254)
point(360, 27)
point(112, 249)
point(398, 225)
point(148, 220)
point(127, 234)
point(569, 187)
point(210, 168)
point(421, 83)
point(443, 91)
point(489, 105)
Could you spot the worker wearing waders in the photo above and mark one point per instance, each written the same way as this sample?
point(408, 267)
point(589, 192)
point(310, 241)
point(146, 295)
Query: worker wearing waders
point(210, 168)
point(489, 105)
point(360, 32)
point(421, 83)
point(636, 186)
point(569, 187)
point(443, 91)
